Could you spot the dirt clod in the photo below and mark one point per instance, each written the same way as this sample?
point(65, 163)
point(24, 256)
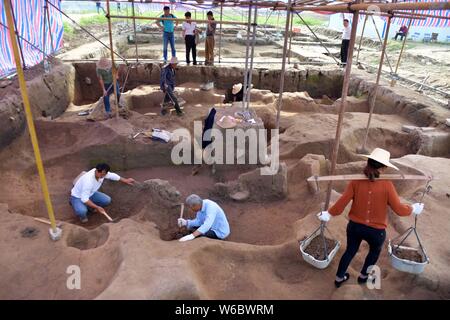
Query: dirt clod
point(316, 249)
point(411, 255)
point(29, 232)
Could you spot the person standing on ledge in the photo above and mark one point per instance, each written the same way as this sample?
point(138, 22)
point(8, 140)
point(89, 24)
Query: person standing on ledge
point(189, 32)
point(346, 34)
point(167, 30)
point(368, 214)
point(210, 220)
point(210, 42)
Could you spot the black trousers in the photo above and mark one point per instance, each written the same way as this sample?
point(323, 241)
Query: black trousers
point(189, 40)
point(356, 233)
point(211, 234)
point(169, 96)
point(344, 50)
point(401, 34)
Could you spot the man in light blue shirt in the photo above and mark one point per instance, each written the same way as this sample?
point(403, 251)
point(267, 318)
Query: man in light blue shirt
point(167, 28)
point(210, 220)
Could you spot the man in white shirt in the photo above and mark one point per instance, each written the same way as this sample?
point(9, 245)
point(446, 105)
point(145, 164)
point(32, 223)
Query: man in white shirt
point(345, 41)
point(189, 32)
point(85, 192)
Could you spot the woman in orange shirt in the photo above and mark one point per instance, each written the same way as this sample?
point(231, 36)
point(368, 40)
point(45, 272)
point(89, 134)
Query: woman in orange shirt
point(368, 214)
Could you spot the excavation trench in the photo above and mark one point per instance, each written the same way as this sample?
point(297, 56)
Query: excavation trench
point(70, 145)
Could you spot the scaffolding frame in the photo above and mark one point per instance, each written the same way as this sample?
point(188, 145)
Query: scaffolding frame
point(357, 7)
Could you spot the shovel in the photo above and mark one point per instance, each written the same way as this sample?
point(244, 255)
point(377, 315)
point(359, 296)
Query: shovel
point(181, 212)
point(108, 217)
point(58, 224)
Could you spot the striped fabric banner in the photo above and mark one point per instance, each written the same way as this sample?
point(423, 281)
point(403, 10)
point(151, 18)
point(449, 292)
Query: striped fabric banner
point(29, 17)
point(428, 22)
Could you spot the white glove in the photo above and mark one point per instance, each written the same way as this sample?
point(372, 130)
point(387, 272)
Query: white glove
point(417, 208)
point(182, 222)
point(324, 216)
point(187, 238)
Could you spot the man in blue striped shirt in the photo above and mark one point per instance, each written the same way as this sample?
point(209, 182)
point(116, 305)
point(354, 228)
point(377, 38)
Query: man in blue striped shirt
point(210, 219)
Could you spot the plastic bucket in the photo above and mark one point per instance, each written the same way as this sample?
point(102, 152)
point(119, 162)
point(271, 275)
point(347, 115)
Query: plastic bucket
point(406, 265)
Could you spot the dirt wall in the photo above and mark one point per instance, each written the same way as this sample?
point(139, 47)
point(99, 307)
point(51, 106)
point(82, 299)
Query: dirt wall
point(49, 95)
point(316, 81)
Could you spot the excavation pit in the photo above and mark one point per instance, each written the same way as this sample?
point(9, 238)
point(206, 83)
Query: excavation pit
point(269, 214)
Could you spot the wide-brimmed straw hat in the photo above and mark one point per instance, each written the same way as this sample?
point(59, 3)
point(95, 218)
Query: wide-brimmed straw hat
point(382, 156)
point(104, 63)
point(236, 88)
point(227, 122)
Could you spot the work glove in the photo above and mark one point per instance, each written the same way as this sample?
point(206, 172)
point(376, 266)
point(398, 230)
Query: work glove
point(187, 238)
point(182, 222)
point(324, 216)
point(417, 208)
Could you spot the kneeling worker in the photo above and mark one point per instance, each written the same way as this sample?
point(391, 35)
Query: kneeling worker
point(234, 94)
point(84, 194)
point(210, 220)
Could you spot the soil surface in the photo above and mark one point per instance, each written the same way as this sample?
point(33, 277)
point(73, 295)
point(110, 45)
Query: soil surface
point(411, 255)
point(316, 247)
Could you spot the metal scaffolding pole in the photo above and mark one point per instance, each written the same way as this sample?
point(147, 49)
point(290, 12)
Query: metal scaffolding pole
point(312, 31)
point(48, 22)
point(173, 19)
point(18, 37)
point(113, 68)
point(379, 38)
point(220, 31)
point(345, 85)
point(85, 30)
point(401, 53)
point(45, 32)
point(134, 30)
point(383, 7)
point(290, 39)
point(374, 97)
point(361, 38)
point(247, 49)
point(252, 56)
point(25, 40)
point(283, 65)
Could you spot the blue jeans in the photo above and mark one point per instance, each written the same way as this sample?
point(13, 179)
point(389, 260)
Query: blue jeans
point(168, 37)
point(110, 90)
point(81, 209)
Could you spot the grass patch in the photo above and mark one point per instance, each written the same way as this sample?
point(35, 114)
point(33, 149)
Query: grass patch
point(93, 20)
point(68, 29)
point(397, 46)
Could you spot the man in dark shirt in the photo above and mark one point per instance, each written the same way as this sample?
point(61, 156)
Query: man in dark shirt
point(402, 33)
point(209, 43)
point(167, 85)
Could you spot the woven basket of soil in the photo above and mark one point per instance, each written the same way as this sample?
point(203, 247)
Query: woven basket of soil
point(313, 249)
point(407, 259)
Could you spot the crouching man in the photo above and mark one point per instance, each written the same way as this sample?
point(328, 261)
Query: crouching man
point(210, 219)
point(85, 192)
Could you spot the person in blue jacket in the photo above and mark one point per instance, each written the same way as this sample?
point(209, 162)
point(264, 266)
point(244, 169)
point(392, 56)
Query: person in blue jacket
point(210, 220)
